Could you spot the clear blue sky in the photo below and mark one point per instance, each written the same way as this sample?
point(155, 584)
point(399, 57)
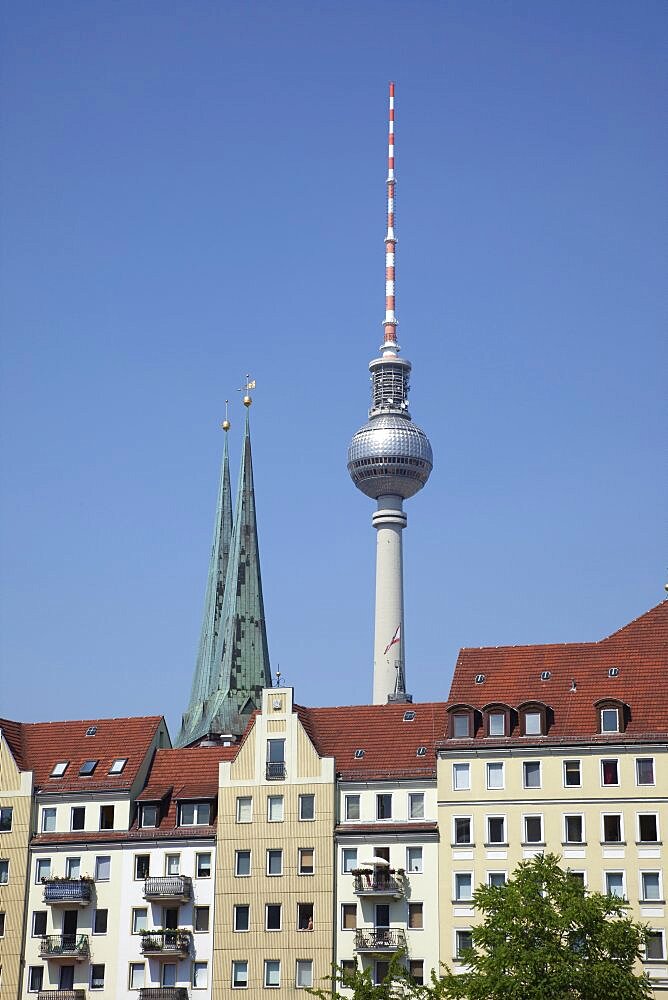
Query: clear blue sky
point(193, 191)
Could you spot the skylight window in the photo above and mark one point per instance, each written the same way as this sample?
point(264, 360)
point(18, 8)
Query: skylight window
point(421, 752)
point(91, 731)
point(359, 754)
point(118, 765)
point(613, 672)
point(87, 767)
point(545, 675)
point(409, 716)
point(60, 768)
point(480, 678)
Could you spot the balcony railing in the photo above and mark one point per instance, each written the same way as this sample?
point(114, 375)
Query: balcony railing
point(275, 770)
point(172, 887)
point(64, 946)
point(163, 993)
point(61, 995)
point(68, 891)
point(378, 885)
point(166, 943)
point(376, 940)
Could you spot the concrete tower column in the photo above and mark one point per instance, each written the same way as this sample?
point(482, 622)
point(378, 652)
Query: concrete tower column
point(388, 648)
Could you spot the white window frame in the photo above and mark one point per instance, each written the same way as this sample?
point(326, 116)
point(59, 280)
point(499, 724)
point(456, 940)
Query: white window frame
point(580, 871)
point(197, 807)
point(657, 932)
point(236, 908)
point(464, 769)
point(343, 926)
point(658, 831)
point(456, 884)
point(622, 838)
point(279, 801)
point(495, 717)
point(525, 839)
point(603, 712)
point(302, 798)
point(40, 864)
point(615, 871)
point(533, 715)
point(300, 861)
point(645, 784)
point(198, 856)
point(348, 852)
point(244, 810)
point(72, 811)
point(572, 760)
point(169, 857)
point(413, 799)
point(101, 965)
point(581, 817)
point(197, 907)
point(135, 927)
point(48, 819)
point(140, 968)
point(347, 801)
point(456, 956)
point(495, 767)
point(71, 863)
point(270, 851)
point(641, 884)
point(308, 962)
point(409, 865)
point(610, 784)
point(272, 962)
point(99, 858)
point(237, 855)
point(4, 867)
point(414, 902)
point(532, 764)
point(273, 930)
point(463, 843)
point(32, 923)
point(148, 808)
point(236, 966)
point(201, 965)
point(501, 816)
point(385, 796)
point(496, 872)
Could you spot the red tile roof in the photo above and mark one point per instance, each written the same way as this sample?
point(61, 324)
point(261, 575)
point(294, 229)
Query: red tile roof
point(40, 745)
point(12, 733)
point(512, 675)
point(390, 745)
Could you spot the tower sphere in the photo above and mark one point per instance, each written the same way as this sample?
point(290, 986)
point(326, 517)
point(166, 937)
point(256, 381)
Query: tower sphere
point(390, 455)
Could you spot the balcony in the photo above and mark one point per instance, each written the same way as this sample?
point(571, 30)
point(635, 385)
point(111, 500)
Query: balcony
point(61, 995)
point(275, 770)
point(379, 941)
point(68, 892)
point(64, 947)
point(378, 884)
point(172, 889)
point(166, 944)
point(163, 993)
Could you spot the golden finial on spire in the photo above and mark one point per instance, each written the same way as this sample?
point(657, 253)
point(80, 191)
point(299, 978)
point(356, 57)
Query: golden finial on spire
point(226, 423)
point(250, 384)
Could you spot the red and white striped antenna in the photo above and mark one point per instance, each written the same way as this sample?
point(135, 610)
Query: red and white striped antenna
point(390, 346)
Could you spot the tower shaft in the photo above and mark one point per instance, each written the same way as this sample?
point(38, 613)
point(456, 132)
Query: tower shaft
point(388, 648)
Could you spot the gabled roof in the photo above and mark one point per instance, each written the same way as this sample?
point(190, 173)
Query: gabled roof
point(40, 745)
point(512, 675)
point(389, 743)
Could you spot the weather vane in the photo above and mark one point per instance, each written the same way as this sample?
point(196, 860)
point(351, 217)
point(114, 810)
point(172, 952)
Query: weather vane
point(250, 384)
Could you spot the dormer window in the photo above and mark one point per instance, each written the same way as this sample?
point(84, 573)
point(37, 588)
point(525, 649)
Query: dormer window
point(533, 724)
point(497, 720)
point(462, 722)
point(195, 814)
point(609, 720)
point(533, 718)
point(149, 815)
point(611, 716)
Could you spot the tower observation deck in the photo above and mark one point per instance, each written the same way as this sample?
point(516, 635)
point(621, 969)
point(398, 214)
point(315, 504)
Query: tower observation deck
point(389, 460)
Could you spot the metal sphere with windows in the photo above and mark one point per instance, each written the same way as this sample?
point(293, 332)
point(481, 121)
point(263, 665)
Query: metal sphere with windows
point(390, 456)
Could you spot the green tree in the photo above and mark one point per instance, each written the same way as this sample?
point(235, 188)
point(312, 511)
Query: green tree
point(397, 984)
point(543, 937)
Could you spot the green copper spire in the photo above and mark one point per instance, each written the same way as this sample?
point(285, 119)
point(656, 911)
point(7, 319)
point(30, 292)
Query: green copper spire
point(206, 674)
point(240, 661)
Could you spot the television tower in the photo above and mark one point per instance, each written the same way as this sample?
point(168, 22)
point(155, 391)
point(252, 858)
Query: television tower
point(389, 460)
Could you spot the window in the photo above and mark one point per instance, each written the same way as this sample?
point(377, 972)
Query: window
point(416, 971)
point(304, 973)
point(2, 923)
point(533, 829)
point(35, 978)
point(609, 720)
point(306, 860)
point(106, 817)
point(495, 775)
point(168, 977)
point(78, 818)
point(272, 972)
point(574, 829)
point(48, 820)
point(384, 806)
point(572, 777)
point(97, 977)
point(87, 768)
point(612, 828)
point(614, 884)
point(241, 916)
point(203, 865)
point(244, 809)
point(272, 917)
point(609, 772)
point(579, 877)
point(463, 941)
point(381, 972)
point(416, 805)
point(645, 771)
point(91, 731)
point(172, 864)
point(39, 923)
point(142, 866)
point(275, 760)
point(42, 869)
point(349, 859)
point(462, 830)
point(100, 920)
point(461, 777)
point(352, 803)
point(415, 916)
point(307, 807)
point(59, 769)
point(118, 765)
point(274, 861)
point(348, 968)
point(102, 868)
point(201, 919)
point(242, 863)
point(531, 773)
point(275, 808)
point(648, 830)
point(654, 949)
point(461, 725)
point(413, 859)
point(136, 978)
point(382, 915)
point(148, 816)
point(6, 818)
point(72, 867)
point(239, 975)
point(348, 916)
point(200, 975)
point(650, 887)
point(139, 919)
point(496, 879)
point(194, 814)
point(463, 886)
point(496, 829)
point(4, 871)
point(496, 724)
point(305, 916)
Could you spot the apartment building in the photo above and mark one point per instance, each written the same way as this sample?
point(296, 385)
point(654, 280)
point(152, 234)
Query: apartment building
point(562, 749)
